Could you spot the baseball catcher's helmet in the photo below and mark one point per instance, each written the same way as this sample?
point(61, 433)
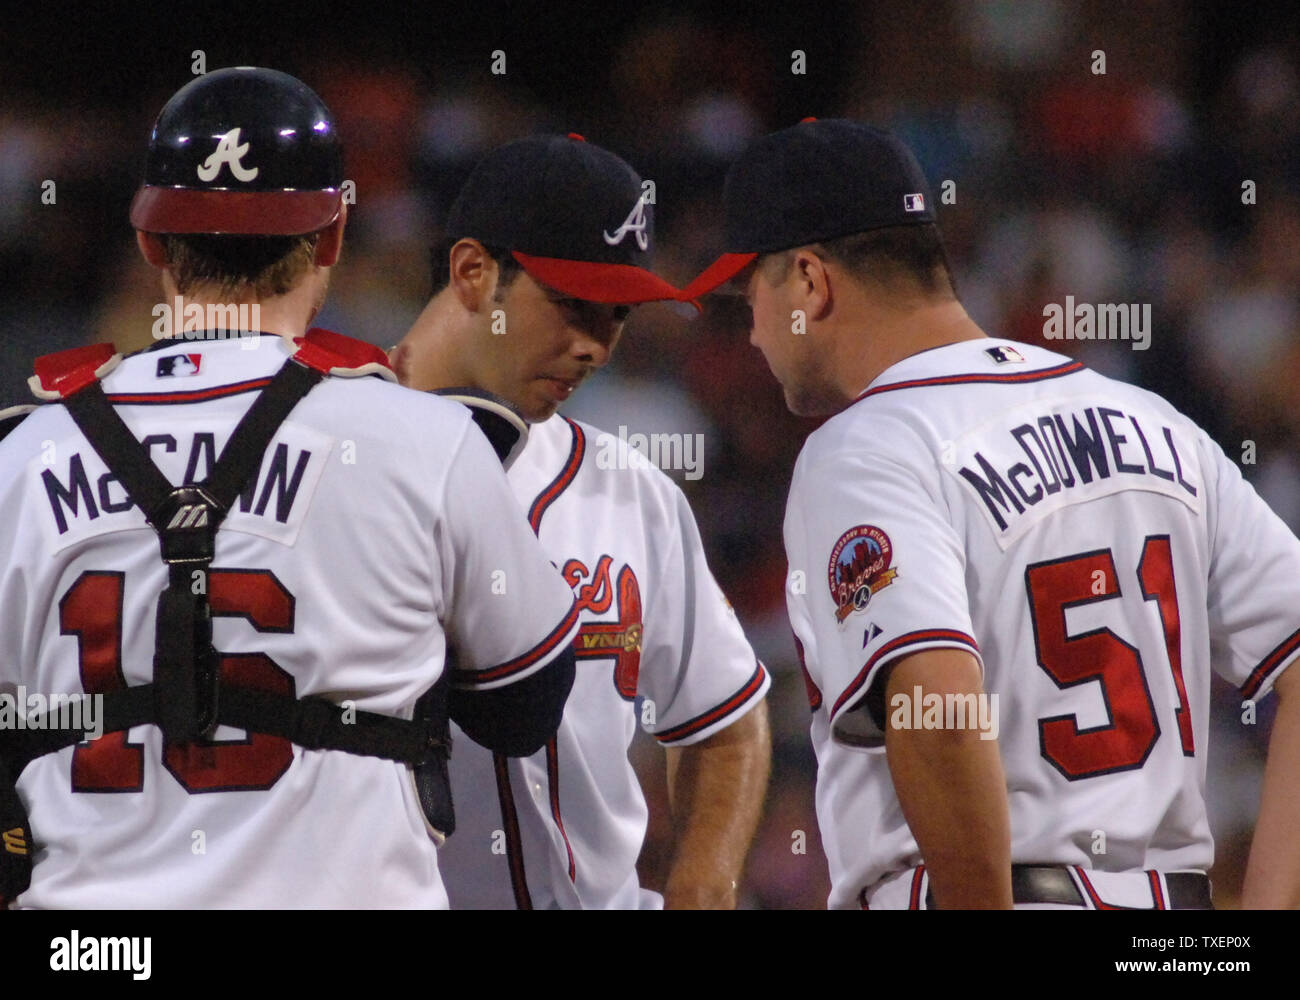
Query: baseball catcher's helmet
point(243, 150)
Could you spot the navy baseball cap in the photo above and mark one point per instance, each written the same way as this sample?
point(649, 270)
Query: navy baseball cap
point(573, 215)
point(815, 181)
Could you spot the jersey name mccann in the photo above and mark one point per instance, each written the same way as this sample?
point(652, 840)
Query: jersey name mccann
point(83, 496)
point(1032, 461)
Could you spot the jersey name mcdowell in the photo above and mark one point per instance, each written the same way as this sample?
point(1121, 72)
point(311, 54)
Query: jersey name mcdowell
point(1071, 456)
point(75, 497)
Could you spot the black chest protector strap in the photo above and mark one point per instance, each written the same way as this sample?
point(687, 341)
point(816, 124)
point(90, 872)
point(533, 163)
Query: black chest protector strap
point(187, 699)
point(186, 666)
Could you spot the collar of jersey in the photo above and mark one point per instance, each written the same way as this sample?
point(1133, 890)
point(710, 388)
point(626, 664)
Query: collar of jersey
point(930, 362)
point(199, 343)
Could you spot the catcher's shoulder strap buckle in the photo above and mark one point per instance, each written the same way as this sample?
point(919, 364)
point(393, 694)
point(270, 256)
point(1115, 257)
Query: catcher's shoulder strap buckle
point(187, 525)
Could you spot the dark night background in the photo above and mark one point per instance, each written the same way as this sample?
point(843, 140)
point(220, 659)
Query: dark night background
point(1122, 187)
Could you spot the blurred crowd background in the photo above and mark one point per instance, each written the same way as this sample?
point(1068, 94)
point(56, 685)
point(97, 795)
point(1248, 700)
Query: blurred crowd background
point(1127, 186)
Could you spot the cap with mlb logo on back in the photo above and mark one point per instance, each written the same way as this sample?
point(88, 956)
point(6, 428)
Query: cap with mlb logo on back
point(815, 181)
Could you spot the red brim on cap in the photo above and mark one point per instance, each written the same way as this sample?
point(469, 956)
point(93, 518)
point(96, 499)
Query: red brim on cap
point(591, 281)
point(244, 213)
point(720, 271)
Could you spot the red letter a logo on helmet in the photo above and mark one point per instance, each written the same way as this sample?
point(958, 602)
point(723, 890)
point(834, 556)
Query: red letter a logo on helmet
point(229, 152)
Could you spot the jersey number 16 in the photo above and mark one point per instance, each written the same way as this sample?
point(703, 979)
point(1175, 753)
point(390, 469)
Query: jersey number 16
point(92, 611)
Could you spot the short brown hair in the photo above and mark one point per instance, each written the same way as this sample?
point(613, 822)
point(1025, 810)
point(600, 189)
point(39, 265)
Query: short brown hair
point(265, 265)
point(888, 257)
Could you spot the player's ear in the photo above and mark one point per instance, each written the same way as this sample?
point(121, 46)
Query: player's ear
point(812, 284)
point(470, 269)
point(151, 248)
point(330, 242)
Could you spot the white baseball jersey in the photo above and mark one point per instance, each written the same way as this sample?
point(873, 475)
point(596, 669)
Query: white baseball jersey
point(564, 827)
point(369, 541)
point(1090, 545)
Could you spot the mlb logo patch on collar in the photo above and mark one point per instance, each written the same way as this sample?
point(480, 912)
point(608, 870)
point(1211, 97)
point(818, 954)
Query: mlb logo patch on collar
point(176, 365)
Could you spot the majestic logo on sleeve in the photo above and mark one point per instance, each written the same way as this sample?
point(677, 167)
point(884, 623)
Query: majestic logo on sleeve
point(635, 222)
point(858, 568)
point(229, 151)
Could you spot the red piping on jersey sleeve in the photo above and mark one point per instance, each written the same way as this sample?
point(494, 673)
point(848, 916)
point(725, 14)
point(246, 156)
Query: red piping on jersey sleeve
point(892, 647)
point(555, 639)
point(706, 719)
point(974, 377)
point(1285, 649)
point(194, 396)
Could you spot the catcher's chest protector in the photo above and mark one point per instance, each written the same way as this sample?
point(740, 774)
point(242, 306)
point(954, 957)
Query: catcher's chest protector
point(187, 698)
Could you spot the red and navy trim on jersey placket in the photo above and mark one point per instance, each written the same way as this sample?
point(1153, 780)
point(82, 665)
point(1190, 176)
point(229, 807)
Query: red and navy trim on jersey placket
point(553, 779)
point(193, 396)
point(514, 848)
point(893, 646)
point(976, 378)
point(1270, 663)
point(514, 842)
point(713, 715)
point(917, 895)
point(561, 482)
point(477, 678)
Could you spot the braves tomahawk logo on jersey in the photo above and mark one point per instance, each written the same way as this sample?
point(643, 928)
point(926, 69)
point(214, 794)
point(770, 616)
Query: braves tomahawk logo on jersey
point(658, 648)
point(618, 640)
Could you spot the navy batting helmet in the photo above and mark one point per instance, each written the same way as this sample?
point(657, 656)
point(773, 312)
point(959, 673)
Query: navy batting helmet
point(242, 150)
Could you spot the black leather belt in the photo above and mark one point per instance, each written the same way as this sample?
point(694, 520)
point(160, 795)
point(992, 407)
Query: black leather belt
point(1054, 884)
